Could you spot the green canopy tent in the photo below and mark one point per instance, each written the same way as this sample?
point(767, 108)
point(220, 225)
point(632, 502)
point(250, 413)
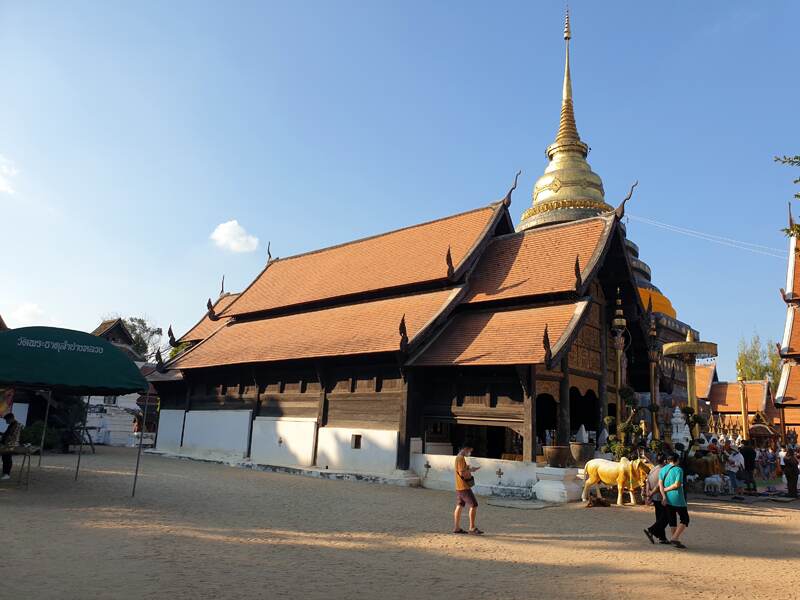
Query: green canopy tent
point(67, 361)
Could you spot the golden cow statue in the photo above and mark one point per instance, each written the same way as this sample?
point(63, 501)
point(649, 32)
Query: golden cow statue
point(630, 473)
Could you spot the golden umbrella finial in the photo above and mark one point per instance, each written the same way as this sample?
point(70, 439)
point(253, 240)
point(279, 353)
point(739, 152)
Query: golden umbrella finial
point(567, 130)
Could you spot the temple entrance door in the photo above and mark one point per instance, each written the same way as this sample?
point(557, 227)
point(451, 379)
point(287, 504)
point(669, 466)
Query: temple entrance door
point(546, 417)
point(583, 410)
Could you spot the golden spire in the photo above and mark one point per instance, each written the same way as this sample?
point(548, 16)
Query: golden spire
point(569, 189)
point(567, 130)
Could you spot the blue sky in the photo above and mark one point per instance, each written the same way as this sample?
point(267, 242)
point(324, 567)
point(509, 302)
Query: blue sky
point(129, 132)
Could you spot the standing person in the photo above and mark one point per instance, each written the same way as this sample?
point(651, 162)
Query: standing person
point(8, 441)
point(653, 496)
point(733, 461)
point(748, 455)
point(771, 462)
point(464, 495)
point(670, 484)
point(790, 470)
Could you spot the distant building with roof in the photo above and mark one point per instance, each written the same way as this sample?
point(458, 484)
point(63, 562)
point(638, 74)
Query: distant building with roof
point(787, 396)
point(115, 331)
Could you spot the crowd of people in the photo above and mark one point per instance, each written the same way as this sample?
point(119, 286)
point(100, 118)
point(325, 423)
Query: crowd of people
point(744, 462)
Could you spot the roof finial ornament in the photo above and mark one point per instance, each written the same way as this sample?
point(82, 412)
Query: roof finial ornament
point(172, 342)
point(449, 260)
point(211, 314)
point(403, 335)
point(507, 199)
point(567, 30)
point(620, 210)
point(159, 361)
point(269, 254)
point(578, 277)
point(548, 353)
point(222, 287)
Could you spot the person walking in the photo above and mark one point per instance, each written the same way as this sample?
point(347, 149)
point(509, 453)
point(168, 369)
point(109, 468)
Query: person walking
point(8, 441)
point(670, 483)
point(653, 496)
point(748, 454)
point(790, 470)
point(733, 463)
point(464, 495)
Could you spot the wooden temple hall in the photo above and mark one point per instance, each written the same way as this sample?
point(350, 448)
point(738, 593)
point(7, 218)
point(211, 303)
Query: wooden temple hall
point(467, 328)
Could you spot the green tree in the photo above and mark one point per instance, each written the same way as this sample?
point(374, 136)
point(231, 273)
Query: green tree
point(792, 161)
point(173, 352)
point(146, 337)
point(756, 361)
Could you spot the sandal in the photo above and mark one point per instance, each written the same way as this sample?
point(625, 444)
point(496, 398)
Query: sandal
point(650, 536)
point(475, 531)
point(459, 530)
point(678, 544)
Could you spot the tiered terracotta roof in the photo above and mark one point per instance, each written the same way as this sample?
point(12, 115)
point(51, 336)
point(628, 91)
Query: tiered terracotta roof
point(362, 328)
point(350, 299)
point(704, 376)
point(107, 325)
point(725, 398)
point(788, 392)
point(205, 326)
point(500, 337)
point(540, 261)
point(412, 256)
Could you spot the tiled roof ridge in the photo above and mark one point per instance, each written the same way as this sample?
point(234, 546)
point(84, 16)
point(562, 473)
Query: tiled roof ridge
point(607, 217)
point(496, 206)
point(456, 295)
point(493, 205)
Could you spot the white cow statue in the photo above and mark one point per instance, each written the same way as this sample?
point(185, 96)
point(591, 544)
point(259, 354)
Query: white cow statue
point(630, 473)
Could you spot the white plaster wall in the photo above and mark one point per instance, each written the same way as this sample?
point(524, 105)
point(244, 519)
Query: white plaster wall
point(378, 452)
point(442, 475)
point(170, 423)
point(283, 441)
point(211, 433)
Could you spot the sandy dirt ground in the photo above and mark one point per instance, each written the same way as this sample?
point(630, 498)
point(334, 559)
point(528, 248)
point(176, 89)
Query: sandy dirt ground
point(200, 530)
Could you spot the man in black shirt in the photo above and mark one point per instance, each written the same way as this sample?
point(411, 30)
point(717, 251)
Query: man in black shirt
point(749, 454)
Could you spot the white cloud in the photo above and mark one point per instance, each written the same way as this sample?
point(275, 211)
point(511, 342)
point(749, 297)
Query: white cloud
point(7, 172)
point(232, 236)
point(29, 313)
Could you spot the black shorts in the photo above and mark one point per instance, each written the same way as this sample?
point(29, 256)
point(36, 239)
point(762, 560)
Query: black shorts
point(466, 498)
point(673, 512)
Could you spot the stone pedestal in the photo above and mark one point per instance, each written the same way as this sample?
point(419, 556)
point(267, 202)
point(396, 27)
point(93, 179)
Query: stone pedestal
point(557, 485)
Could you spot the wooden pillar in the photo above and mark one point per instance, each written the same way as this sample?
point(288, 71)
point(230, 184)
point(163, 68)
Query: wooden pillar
point(253, 415)
point(186, 407)
point(527, 378)
point(320, 420)
point(783, 424)
point(406, 410)
point(602, 387)
point(563, 405)
point(743, 407)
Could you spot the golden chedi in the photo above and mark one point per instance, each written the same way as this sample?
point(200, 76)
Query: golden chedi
point(569, 189)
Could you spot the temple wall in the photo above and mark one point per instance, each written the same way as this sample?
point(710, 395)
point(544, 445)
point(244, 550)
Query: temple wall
point(217, 432)
point(283, 441)
point(378, 452)
point(170, 424)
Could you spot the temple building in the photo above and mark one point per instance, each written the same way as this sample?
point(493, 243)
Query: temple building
point(412, 342)
point(787, 396)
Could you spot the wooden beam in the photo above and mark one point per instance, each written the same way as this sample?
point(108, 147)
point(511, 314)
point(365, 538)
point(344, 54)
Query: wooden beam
point(563, 404)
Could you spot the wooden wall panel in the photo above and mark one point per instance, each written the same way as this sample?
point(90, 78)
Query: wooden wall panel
point(369, 411)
